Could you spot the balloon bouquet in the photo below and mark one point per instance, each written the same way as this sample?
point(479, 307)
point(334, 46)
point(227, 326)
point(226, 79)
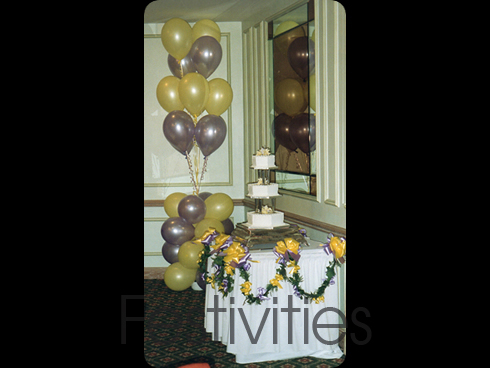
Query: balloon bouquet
point(294, 64)
point(194, 54)
point(189, 218)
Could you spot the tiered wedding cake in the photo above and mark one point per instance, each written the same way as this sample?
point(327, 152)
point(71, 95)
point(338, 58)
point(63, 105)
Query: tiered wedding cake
point(264, 216)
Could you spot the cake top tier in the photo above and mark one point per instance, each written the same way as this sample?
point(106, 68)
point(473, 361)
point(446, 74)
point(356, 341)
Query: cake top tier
point(264, 151)
point(263, 160)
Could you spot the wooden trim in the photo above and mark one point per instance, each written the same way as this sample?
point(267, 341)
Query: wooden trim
point(154, 272)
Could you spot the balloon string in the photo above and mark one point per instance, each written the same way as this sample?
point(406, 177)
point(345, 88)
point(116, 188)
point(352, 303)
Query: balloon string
point(189, 163)
point(181, 69)
point(197, 172)
point(204, 167)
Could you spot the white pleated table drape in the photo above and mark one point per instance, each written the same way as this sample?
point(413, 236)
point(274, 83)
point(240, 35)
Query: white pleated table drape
point(232, 330)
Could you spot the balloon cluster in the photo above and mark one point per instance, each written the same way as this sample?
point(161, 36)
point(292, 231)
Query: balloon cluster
point(294, 82)
point(189, 217)
point(194, 54)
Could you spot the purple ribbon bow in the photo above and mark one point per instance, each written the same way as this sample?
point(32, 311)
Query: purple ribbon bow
point(209, 239)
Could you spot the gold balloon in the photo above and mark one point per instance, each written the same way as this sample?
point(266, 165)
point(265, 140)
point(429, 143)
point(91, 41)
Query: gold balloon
point(312, 84)
point(283, 41)
point(177, 277)
point(206, 27)
point(189, 254)
point(172, 202)
point(284, 26)
point(203, 225)
point(177, 37)
point(168, 94)
point(194, 93)
point(288, 95)
point(220, 96)
point(219, 206)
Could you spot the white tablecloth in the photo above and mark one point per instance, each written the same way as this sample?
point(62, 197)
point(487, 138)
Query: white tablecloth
point(313, 263)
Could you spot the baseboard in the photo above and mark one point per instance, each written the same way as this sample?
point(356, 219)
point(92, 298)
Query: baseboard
point(154, 272)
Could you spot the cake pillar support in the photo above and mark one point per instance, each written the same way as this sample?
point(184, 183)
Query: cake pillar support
point(258, 205)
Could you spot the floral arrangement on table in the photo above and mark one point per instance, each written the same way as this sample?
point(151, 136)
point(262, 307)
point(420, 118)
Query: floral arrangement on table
point(232, 255)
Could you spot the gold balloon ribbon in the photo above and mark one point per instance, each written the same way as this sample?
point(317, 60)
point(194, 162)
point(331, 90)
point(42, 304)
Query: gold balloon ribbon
point(337, 246)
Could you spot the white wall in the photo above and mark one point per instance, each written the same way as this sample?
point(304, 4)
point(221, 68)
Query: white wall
point(165, 170)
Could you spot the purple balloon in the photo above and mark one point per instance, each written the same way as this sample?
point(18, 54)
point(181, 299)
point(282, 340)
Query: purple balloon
point(282, 123)
point(202, 284)
point(228, 225)
point(205, 54)
point(204, 195)
point(210, 133)
point(170, 252)
point(301, 132)
point(178, 128)
point(192, 209)
point(300, 58)
point(176, 230)
point(186, 64)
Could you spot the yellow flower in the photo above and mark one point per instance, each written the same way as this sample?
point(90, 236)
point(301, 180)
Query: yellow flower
point(229, 270)
point(246, 287)
point(211, 280)
point(276, 280)
point(281, 247)
point(220, 239)
point(337, 246)
point(319, 299)
point(292, 245)
point(294, 265)
point(287, 244)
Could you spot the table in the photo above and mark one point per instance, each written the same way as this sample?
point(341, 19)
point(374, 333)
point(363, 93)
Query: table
point(290, 328)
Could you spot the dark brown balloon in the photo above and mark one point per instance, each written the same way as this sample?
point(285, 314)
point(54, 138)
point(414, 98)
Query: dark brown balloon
point(178, 128)
point(180, 69)
point(281, 131)
point(210, 133)
point(170, 252)
point(205, 54)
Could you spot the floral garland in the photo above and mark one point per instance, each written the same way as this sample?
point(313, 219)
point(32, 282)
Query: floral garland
point(231, 254)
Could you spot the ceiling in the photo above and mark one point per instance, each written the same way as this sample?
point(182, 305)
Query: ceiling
point(249, 12)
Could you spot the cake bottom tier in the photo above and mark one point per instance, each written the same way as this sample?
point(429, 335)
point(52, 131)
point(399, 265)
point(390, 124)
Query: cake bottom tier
point(265, 221)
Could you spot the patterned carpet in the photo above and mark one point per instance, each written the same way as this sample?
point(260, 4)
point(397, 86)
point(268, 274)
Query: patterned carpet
point(175, 334)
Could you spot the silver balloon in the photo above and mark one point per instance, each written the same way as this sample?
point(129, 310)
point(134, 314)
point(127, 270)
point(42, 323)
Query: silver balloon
point(170, 252)
point(176, 230)
point(180, 69)
point(210, 133)
point(178, 128)
point(192, 209)
point(205, 54)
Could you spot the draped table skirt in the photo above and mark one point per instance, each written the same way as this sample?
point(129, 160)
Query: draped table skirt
point(284, 326)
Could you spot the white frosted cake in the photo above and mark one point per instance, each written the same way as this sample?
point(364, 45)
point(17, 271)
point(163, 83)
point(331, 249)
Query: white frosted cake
point(263, 162)
point(264, 217)
point(265, 221)
point(263, 190)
